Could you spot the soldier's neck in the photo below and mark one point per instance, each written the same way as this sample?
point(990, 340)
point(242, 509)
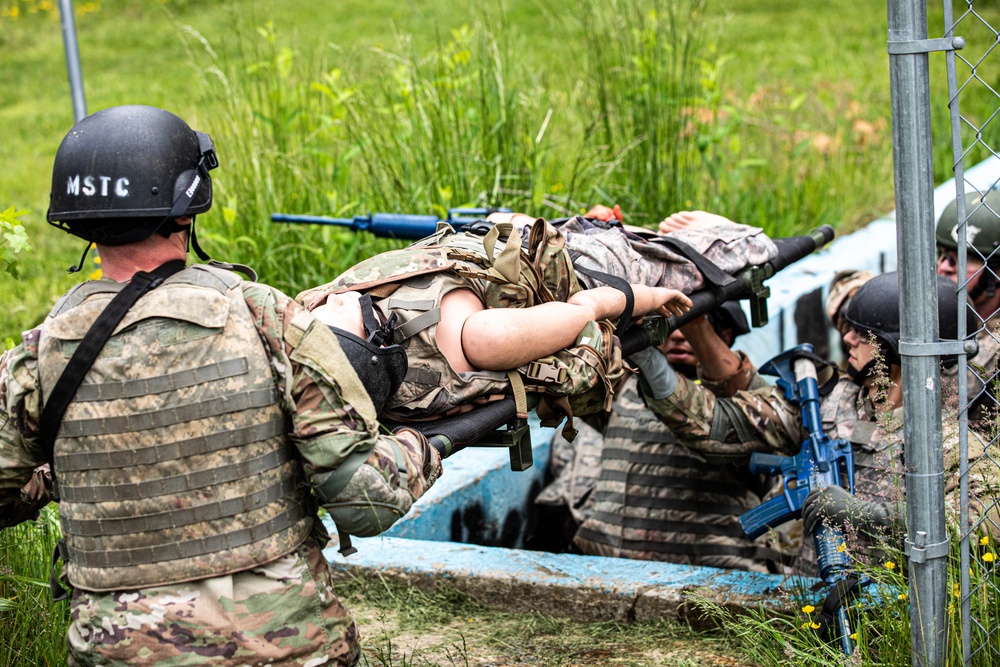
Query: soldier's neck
point(120, 263)
point(893, 393)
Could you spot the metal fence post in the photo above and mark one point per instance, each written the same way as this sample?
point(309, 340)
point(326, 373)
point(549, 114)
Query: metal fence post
point(914, 180)
point(72, 59)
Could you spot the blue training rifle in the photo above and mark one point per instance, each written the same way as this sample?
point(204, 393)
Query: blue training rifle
point(395, 225)
point(821, 462)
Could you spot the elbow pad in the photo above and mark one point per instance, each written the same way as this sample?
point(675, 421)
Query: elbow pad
point(376, 493)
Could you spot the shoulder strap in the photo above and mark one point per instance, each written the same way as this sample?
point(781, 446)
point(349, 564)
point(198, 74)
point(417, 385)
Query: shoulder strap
point(91, 345)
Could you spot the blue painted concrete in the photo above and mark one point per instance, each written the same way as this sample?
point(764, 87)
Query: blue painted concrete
point(479, 477)
point(617, 575)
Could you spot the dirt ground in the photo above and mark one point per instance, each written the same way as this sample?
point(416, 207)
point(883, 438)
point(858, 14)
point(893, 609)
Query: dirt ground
point(401, 626)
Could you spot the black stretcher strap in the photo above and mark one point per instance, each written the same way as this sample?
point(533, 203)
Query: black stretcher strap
point(619, 284)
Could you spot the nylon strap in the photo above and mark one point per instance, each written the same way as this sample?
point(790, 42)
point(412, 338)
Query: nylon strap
point(714, 276)
point(91, 345)
point(520, 396)
point(620, 284)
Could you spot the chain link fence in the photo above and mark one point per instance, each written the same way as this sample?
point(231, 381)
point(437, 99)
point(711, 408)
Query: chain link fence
point(954, 592)
point(973, 75)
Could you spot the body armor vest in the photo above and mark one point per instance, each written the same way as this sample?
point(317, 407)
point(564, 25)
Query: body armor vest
point(172, 460)
point(411, 282)
point(657, 500)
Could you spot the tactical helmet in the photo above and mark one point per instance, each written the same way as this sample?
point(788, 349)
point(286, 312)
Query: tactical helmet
point(982, 223)
point(123, 172)
point(843, 286)
point(729, 317)
point(875, 308)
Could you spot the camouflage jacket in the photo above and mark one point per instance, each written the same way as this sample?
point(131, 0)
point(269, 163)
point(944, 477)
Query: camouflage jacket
point(411, 283)
point(644, 261)
point(330, 422)
point(730, 429)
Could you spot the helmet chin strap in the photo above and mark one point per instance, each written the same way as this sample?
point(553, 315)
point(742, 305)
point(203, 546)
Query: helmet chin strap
point(83, 258)
point(858, 376)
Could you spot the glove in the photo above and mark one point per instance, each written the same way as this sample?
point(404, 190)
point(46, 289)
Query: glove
point(658, 377)
point(35, 495)
point(837, 507)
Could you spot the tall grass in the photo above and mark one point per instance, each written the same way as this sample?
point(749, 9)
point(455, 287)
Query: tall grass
point(33, 626)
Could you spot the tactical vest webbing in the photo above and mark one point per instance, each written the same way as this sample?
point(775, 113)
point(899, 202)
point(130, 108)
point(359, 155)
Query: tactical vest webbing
point(657, 500)
point(173, 458)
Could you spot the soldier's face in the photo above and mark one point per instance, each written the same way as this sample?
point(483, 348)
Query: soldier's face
point(678, 350)
point(947, 265)
point(342, 311)
point(859, 348)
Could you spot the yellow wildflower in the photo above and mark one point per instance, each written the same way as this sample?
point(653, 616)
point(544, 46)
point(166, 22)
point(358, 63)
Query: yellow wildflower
point(814, 626)
point(984, 540)
point(902, 597)
point(854, 636)
point(808, 609)
point(989, 557)
point(955, 590)
point(889, 565)
point(842, 547)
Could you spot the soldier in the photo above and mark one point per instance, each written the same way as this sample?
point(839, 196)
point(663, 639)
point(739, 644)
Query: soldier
point(486, 315)
point(194, 422)
point(658, 500)
point(983, 236)
point(865, 409)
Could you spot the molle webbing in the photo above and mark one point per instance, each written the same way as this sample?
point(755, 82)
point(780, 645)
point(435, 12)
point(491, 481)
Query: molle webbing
point(191, 481)
point(189, 548)
point(250, 400)
point(182, 517)
point(671, 504)
point(202, 444)
point(695, 527)
point(107, 391)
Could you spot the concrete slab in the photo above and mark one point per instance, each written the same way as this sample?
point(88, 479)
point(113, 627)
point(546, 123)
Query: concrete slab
point(583, 588)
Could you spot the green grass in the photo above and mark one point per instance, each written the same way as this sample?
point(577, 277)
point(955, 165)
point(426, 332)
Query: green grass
point(776, 114)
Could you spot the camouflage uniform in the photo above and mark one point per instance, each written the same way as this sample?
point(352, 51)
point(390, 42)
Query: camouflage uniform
point(730, 246)
point(411, 283)
point(729, 429)
point(184, 464)
point(575, 466)
point(658, 500)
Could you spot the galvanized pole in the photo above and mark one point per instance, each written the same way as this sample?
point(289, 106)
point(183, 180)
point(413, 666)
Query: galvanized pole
point(72, 59)
point(914, 179)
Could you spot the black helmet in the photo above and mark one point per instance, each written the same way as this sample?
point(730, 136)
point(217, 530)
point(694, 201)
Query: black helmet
point(875, 308)
point(729, 316)
point(123, 172)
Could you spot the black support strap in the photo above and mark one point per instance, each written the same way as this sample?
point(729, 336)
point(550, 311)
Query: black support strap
point(619, 284)
point(91, 345)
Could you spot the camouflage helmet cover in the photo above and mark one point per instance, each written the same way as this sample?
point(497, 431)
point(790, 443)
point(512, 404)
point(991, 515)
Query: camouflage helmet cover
point(982, 223)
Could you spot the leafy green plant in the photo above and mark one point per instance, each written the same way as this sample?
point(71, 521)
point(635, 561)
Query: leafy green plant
point(13, 240)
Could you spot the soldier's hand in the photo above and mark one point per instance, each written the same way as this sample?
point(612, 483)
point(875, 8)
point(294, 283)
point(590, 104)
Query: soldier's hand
point(693, 219)
point(837, 507)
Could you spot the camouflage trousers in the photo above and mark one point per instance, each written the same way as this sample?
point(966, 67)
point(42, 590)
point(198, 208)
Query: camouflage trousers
point(282, 613)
